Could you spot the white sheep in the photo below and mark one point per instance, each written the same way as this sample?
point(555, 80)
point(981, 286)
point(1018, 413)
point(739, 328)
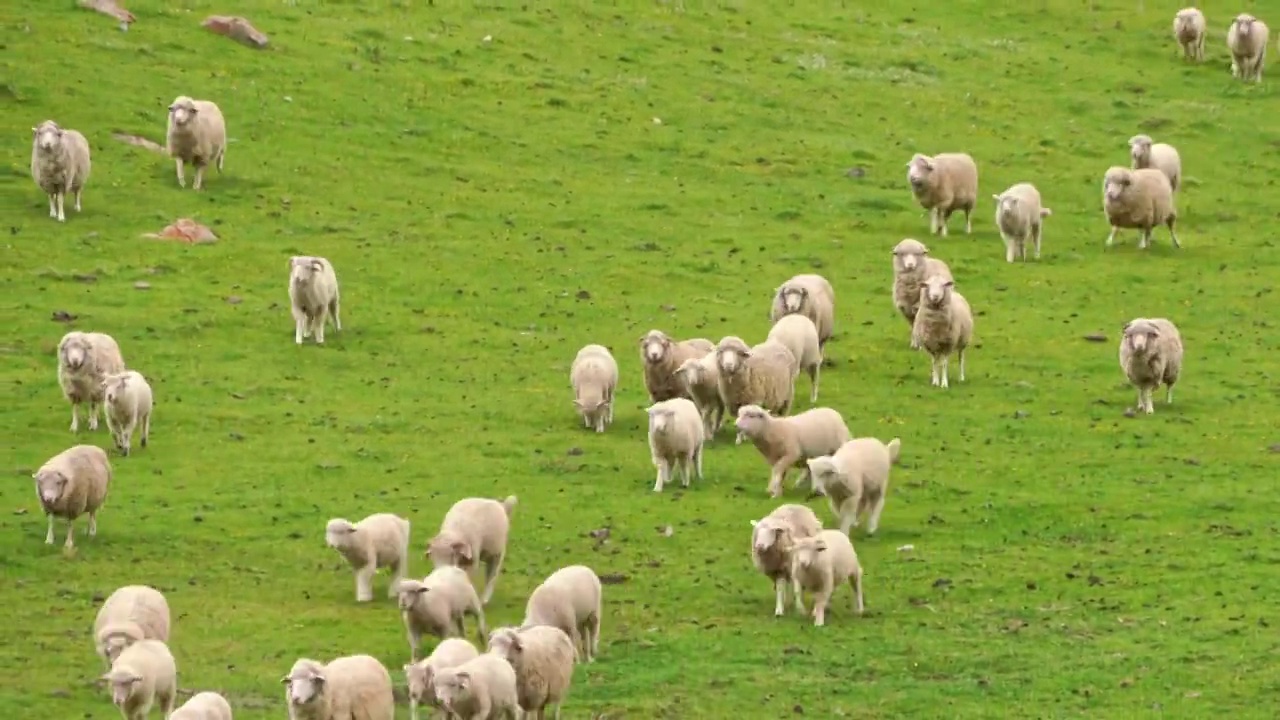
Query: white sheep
point(73, 483)
point(944, 325)
point(676, 438)
point(911, 265)
point(787, 442)
point(1020, 216)
point(60, 164)
point(1141, 199)
point(594, 377)
point(483, 688)
point(438, 604)
point(1151, 354)
point(145, 674)
point(855, 480)
point(570, 599)
point(943, 184)
point(1162, 156)
point(378, 541)
point(356, 686)
point(313, 297)
point(771, 540)
point(819, 564)
point(1247, 39)
point(799, 335)
point(701, 378)
point(1189, 31)
point(809, 295)
point(542, 657)
point(204, 706)
point(196, 135)
point(451, 652)
point(474, 532)
point(762, 375)
point(84, 362)
point(661, 356)
point(127, 398)
point(130, 614)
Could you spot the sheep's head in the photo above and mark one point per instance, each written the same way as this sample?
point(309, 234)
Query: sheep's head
point(338, 532)
point(908, 256)
point(453, 687)
point(1141, 335)
point(419, 676)
point(1245, 21)
point(1140, 148)
point(824, 471)
point(731, 353)
point(767, 533)
point(793, 297)
point(654, 346)
point(1116, 183)
point(690, 372)
point(935, 291)
point(661, 418)
point(305, 682)
point(408, 592)
point(919, 170)
point(113, 644)
point(1005, 204)
point(1184, 19)
point(74, 352)
point(752, 420)
point(183, 110)
point(113, 386)
point(506, 644)
point(47, 136)
point(50, 484)
point(806, 551)
point(122, 682)
point(588, 406)
point(447, 549)
point(303, 269)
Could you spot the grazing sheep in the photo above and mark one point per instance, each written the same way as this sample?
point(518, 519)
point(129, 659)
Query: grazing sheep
point(474, 531)
point(819, 564)
point(661, 356)
point(570, 599)
point(144, 674)
point(59, 164)
point(1189, 30)
point(313, 297)
point(855, 479)
point(701, 379)
point(771, 542)
point(196, 135)
point(542, 657)
point(84, 362)
point(676, 437)
point(1139, 199)
point(799, 335)
point(808, 295)
point(130, 614)
point(127, 398)
point(1151, 354)
point(438, 605)
point(204, 706)
point(1161, 156)
point(762, 375)
point(944, 325)
point(451, 652)
point(73, 483)
point(943, 184)
point(911, 265)
point(348, 688)
point(483, 688)
point(594, 376)
point(1247, 40)
point(1019, 217)
point(378, 541)
point(787, 442)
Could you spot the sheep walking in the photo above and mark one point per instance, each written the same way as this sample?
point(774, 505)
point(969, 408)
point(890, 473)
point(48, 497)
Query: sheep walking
point(943, 184)
point(701, 378)
point(1151, 354)
point(570, 599)
point(772, 538)
point(60, 164)
point(1189, 30)
point(130, 614)
point(483, 688)
point(799, 335)
point(73, 483)
point(204, 706)
point(1162, 156)
point(356, 686)
point(473, 532)
point(944, 325)
point(313, 297)
point(1247, 39)
point(438, 604)
point(855, 480)
point(1140, 199)
point(84, 362)
point(144, 675)
point(420, 676)
point(378, 541)
point(911, 266)
point(196, 135)
point(127, 397)
point(809, 295)
point(542, 657)
point(594, 377)
point(787, 442)
point(1020, 216)
point(662, 356)
point(676, 437)
point(761, 375)
point(819, 564)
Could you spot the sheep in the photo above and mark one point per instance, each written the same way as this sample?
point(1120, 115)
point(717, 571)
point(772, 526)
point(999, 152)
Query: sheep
point(196, 135)
point(661, 356)
point(787, 442)
point(676, 438)
point(799, 335)
point(313, 297)
point(701, 379)
point(943, 184)
point(73, 483)
point(911, 265)
point(483, 688)
point(594, 377)
point(1151, 354)
point(762, 375)
point(356, 686)
point(130, 614)
point(144, 675)
point(474, 531)
point(1019, 217)
point(944, 325)
point(378, 541)
point(542, 657)
point(438, 604)
point(811, 296)
point(855, 480)
point(1161, 156)
point(1189, 31)
point(451, 652)
point(204, 706)
point(819, 564)
point(570, 599)
point(127, 398)
point(60, 164)
point(1247, 39)
point(1140, 199)
point(771, 541)
point(84, 362)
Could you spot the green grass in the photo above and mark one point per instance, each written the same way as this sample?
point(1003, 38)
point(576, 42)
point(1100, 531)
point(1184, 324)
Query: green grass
point(492, 206)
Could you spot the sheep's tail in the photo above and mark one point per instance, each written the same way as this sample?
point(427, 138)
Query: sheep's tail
point(895, 448)
point(509, 505)
point(1045, 212)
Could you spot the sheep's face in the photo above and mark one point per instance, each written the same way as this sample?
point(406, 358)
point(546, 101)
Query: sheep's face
point(303, 270)
point(409, 592)
point(1116, 184)
point(823, 471)
point(690, 372)
point(806, 553)
point(303, 686)
point(767, 534)
point(1141, 337)
point(337, 534)
point(918, 171)
point(452, 687)
point(506, 645)
point(445, 550)
point(183, 111)
point(419, 677)
point(908, 258)
point(935, 292)
point(752, 420)
point(48, 137)
point(793, 298)
point(50, 484)
point(730, 359)
point(74, 353)
point(1139, 149)
point(113, 387)
point(122, 683)
point(1244, 23)
point(1006, 204)
point(661, 420)
point(654, 347)
point(113, 645)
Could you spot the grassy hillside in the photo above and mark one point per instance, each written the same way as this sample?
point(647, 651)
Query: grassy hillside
point(498, 186)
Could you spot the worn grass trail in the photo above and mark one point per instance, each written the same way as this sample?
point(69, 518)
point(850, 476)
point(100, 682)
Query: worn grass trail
point(584, 176)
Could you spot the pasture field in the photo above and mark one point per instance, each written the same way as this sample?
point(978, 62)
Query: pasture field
point(595, 170)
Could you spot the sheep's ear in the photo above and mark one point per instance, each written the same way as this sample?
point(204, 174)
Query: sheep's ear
point(753, 522)
point(35, 131)
point(1126, 327)
point(293, 261)
point(422, 589)
point(464, 679)
point(461, 549)
point(317, 266)
point(820, 546)
point(949, 283)
point(171, 109)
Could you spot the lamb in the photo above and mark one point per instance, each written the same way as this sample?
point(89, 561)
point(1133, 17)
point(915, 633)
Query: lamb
point(144, 675)
point(771, 541)
point(594, 377)
point(1189, 30)
point(1140, 199)
point(356, 686)
point(1019, 217)
point(855, 479)
point(701, 380)
point(378, 541)
point(1247, 40)
point(911, 265)
point(943, 184)
point(451, 652)
point(438, 604)
point(196, 135)
point(676, 438)
point(84, 362)
point(662, 356)
point(944, 325)
point(570, 599)
point(313, 297)
point(130, 614)
point(542, 657)
point(127, 398)
point(808, 295)
point(1151, 354)
point(1161, 156)
point(204, 706)
point(762, 375)
point(483, 688)
point(787, 442)
point(799, 335)
point(73, 483)
point(819, 564)
point(59, 164)
point(474, 531)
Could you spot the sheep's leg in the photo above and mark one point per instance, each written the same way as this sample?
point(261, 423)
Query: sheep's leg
point(222, 153)
point(1168, 397)
point(848, 513)
point(334, 307)
point(584, 629)
point(873, 520)
point(413, 708)
point(299, 327)
point(126, 437)
point(820, 600)
point(75, 416)
point(943, 219)
point(93, 523)
point(53, 205)
point(492, 567)
point(595, 637)
point(1036, 238)
point(1111, 239)
point(961, 353)
point(662, 477)
point(780, 595)
point(78, 192)
point(317, 326)
point(1145, 242)
point(933, 221)
point(968, 221)
point(1009, 250)
point(738, 440)
point(199, 183)
point(797, 592)
point(482, 628)
point(146, 429)
point(1173, 234)
point(697, 461)
point(855, 582)
point(48, 538)
point(62, 197)
point(814, 372)
point(364, 582)
point(686, 469)
point(936, 380)
point(93, 415)
point(182, 178)
point(945, 360)
point(71, 531)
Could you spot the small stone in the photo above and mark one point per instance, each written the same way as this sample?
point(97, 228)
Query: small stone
point(1096, 337)
point(1021, 414)
point(855, 172)
point(583, 295)
point(234, 299)
point(63, 316)
point(575, 451)
point(142, 285)
point(1130, 413)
